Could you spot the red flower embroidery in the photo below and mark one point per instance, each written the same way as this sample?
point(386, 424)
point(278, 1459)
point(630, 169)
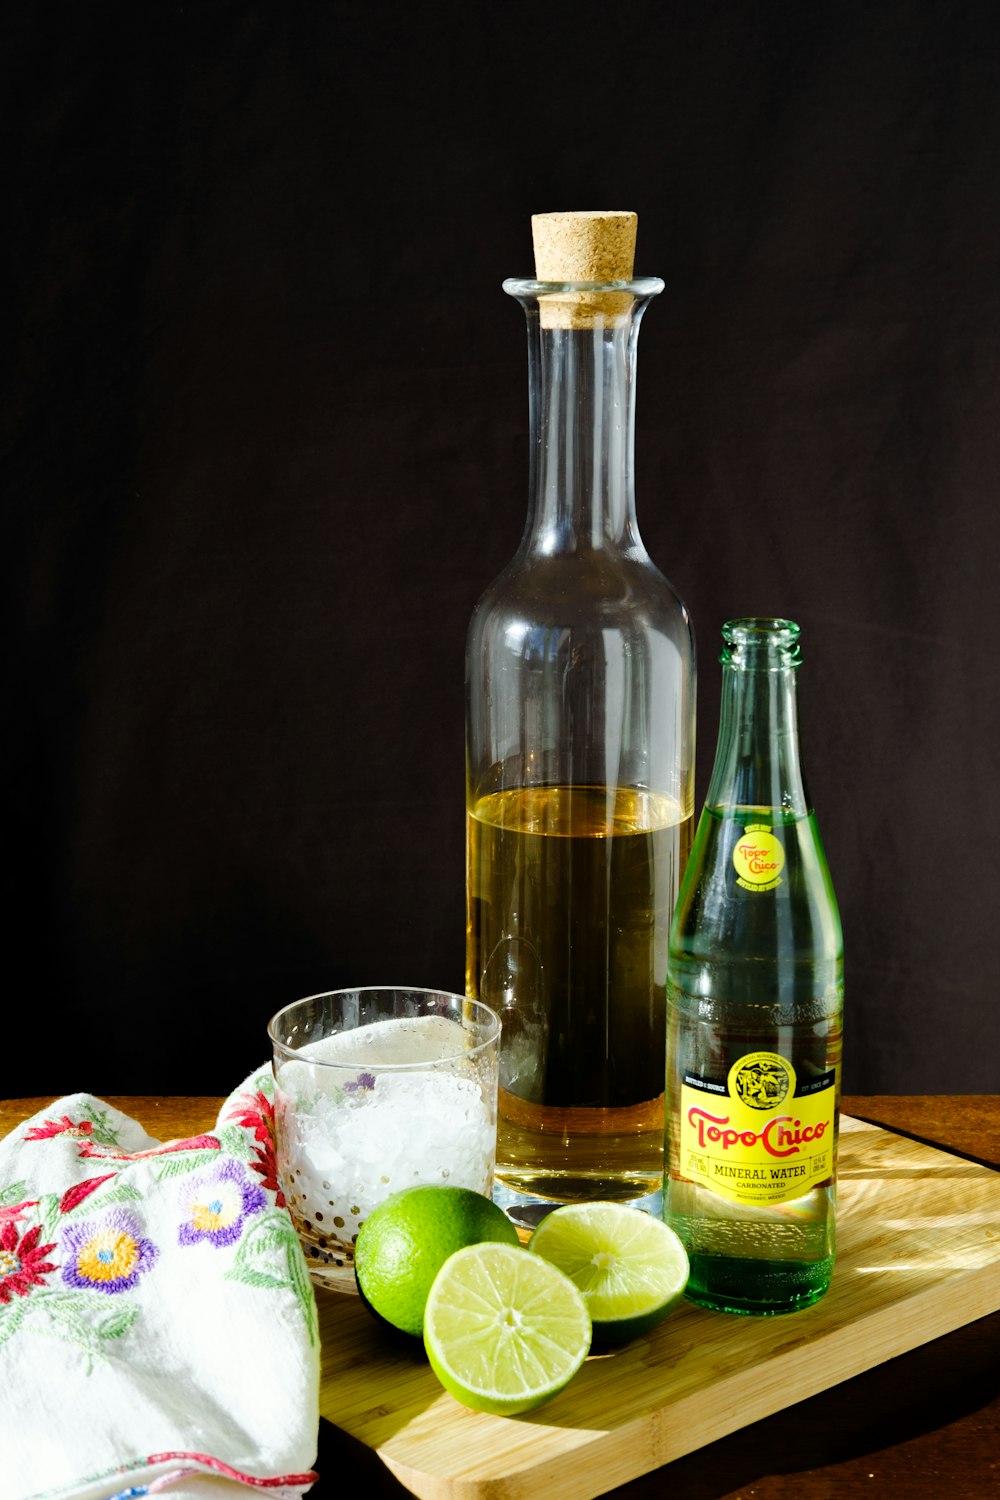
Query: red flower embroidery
point(78, 1129)
point(80, 1190)
point(266, 1166)
point(193, 1143)
point(22, 1263)
point(15, 1211)
point(256, 1112)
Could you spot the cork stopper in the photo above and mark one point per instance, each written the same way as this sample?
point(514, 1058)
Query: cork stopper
point(585, 245)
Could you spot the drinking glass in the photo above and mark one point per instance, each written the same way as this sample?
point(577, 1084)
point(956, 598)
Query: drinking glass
point(378, 1089)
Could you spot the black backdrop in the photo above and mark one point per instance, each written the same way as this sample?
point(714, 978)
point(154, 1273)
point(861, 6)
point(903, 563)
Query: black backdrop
point(266, 444)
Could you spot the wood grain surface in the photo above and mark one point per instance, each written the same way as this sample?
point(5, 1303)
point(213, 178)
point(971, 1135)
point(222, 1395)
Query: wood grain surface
point(825, 1402)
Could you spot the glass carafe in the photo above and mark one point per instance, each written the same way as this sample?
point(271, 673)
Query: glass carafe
point(580, 746)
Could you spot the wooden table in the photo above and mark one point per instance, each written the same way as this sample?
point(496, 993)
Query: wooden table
point(926, 1423)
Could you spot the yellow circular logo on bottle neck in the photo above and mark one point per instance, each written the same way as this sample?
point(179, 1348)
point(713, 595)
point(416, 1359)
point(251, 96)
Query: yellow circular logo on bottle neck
point(758, 858)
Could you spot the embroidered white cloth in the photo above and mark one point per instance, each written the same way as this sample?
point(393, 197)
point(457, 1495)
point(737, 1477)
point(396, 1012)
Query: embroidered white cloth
point(158, 1328)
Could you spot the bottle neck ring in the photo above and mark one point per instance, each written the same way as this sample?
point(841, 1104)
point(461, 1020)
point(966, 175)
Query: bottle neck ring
point(760, 644)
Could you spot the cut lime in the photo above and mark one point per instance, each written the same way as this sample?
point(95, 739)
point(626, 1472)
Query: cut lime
point(504, 1330)
point(630, 1267)
point(406, 1240)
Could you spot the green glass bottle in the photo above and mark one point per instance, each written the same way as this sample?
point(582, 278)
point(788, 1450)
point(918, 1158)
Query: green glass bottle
point(755, 992)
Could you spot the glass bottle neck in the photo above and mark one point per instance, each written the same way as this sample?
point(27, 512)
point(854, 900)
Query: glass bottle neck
point(757, 759)
point(581, 385)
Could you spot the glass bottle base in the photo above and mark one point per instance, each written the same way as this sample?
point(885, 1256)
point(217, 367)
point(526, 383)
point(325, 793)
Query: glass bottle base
point(764, 1288)
point(527, 1210)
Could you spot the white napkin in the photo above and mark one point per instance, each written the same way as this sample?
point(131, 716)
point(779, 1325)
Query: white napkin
point(158, 1329)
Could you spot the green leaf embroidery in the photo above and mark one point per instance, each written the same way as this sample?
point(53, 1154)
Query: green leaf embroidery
point(267, 1233)
point(250, 1277)
point(236, 1141)
point(302, 1286)
point(69, 1317)
point(63, 1312)
point(48, 1210)
point(103, 1132)
point(259, 1254)
point(17, 1192)
point(117, 1323)
point(177, 1163)
point(115, 1192)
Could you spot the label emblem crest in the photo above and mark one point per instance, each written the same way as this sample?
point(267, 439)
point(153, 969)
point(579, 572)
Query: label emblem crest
point(761, 1080)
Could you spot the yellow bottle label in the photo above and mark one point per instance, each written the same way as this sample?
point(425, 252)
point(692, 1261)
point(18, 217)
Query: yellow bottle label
point(763, 1137)
point(758, 858)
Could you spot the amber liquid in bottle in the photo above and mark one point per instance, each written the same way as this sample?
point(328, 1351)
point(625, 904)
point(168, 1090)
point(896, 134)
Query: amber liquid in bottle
point(571, 890)
point(579, 757)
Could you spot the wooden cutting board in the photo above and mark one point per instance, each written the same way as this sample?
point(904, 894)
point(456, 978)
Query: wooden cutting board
point(918, 1255)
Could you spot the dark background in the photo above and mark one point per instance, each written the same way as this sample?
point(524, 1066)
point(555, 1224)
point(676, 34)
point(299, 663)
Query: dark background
point(266, 445)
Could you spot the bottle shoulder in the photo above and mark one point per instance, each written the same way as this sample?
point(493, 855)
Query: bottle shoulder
point(580, 591)
point(757, 886)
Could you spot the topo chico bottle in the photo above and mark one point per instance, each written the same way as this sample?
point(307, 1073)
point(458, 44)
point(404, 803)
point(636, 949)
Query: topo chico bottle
point(580, 745)
point(755, 1001)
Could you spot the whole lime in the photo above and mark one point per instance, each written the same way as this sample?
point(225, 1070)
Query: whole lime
point(406, 1240)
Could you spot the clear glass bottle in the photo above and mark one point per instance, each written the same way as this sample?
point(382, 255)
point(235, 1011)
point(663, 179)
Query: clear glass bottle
point(755, 991)
point(580, 743)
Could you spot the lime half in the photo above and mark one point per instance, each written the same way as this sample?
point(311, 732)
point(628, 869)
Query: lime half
point(504, 1330)
point(630, 1267)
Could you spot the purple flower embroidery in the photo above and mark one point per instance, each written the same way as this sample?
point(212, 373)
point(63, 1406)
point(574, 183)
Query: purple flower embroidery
point(108, 1254)
point(363, 1081)
point(217, 1203)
